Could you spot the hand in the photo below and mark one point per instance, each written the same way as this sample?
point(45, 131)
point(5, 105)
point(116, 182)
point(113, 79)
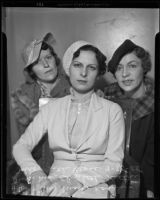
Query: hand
point(39, 183)
point(64, 187)
point(150, 194)
point(55, 189)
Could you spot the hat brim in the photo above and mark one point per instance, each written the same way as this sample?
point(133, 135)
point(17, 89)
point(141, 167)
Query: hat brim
point(34, 55)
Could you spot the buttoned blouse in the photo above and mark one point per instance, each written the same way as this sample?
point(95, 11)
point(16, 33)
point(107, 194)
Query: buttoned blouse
point(77, 117)
point(98, 145)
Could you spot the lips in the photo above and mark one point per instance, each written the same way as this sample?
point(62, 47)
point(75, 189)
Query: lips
point(127, 82)
point(82, 81)
point(49, 71)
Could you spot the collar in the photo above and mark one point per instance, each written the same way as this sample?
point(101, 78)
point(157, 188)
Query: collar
point(85, 98)
point(45, 92)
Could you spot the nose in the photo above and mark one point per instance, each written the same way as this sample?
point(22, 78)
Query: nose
point(45, 63)
point(125, 72)
point(84, 71)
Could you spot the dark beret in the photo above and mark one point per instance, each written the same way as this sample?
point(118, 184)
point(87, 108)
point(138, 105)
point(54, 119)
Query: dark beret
point(126, 47)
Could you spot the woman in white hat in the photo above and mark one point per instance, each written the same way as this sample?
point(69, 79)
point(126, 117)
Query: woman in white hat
point(85, 132)
point(44, 79)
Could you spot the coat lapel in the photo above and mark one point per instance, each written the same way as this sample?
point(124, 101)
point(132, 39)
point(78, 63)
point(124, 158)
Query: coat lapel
point(92, 119)
point(68, 104)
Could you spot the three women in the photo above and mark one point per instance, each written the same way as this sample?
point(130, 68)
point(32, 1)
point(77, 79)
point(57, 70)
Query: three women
point(87, 137)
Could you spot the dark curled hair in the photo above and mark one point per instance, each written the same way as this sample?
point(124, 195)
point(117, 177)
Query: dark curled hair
point(99, 55)
point(44, 46)
point(145, 58)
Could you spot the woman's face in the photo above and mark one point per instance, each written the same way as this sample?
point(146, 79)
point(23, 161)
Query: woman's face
point(84, 71)
point(129, 74)
point(45, 69)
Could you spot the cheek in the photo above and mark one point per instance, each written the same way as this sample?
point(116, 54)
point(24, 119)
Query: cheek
point(73, 73)
point(139, 75)
point(38, 71)
point(53, 63)
point(71, 76)
point(93, 78)
point(117, 76)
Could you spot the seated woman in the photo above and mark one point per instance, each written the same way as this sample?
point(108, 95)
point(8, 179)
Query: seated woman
point(45, 79)
point(85, 133)
point(135, 92)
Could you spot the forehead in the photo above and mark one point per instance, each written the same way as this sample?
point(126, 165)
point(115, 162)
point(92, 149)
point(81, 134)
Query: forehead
point(44, 53)
point(129, 58)
point(87, 55)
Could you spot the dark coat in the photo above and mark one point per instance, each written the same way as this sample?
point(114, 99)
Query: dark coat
point(139, 118)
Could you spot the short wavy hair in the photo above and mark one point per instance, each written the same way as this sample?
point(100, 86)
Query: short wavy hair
point(145, 58)
point(101, 58)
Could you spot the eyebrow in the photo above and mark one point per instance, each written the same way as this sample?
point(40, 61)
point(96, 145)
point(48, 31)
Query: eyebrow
point(132, 61)
point(129, 62)
point(82, 63)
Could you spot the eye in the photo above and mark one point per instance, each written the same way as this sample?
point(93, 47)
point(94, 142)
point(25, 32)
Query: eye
point(92, 67)
point(77, 65)
point(49, 57)
point(132, 65)
point(119, 68)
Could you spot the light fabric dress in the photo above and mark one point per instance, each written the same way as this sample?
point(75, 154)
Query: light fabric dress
point(87, 140)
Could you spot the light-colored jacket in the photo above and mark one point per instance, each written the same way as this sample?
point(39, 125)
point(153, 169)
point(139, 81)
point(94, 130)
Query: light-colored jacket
point(99, 154)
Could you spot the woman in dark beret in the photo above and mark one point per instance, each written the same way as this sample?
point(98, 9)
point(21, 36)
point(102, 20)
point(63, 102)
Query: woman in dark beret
point(134, 91)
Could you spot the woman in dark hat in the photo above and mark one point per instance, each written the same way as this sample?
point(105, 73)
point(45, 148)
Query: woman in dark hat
point(45, 79)
point(135, 92)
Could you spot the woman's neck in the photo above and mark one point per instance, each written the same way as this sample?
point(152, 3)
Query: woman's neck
point(80, 96)
point(50, 85)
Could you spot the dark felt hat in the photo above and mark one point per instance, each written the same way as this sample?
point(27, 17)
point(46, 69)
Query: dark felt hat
point(126, 47)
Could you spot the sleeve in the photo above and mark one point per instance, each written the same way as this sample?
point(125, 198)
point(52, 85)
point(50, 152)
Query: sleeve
point(21, 112)
point(115, 151)
point(24, 109)
point(23, 106)
point(148, 159)
point(24, 146)
point(114, 154)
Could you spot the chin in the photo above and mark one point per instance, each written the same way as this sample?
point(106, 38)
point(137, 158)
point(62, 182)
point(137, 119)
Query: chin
point(51, 78)
point(127, 88)
point(48, 80)
point(130, 90)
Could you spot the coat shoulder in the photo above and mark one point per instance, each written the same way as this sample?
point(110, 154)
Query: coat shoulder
point(56, 103)
point(109, 104)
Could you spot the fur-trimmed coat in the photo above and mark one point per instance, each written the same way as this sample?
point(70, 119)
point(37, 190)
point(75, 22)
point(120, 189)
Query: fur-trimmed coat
point(25, 105)
point(139, 114)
